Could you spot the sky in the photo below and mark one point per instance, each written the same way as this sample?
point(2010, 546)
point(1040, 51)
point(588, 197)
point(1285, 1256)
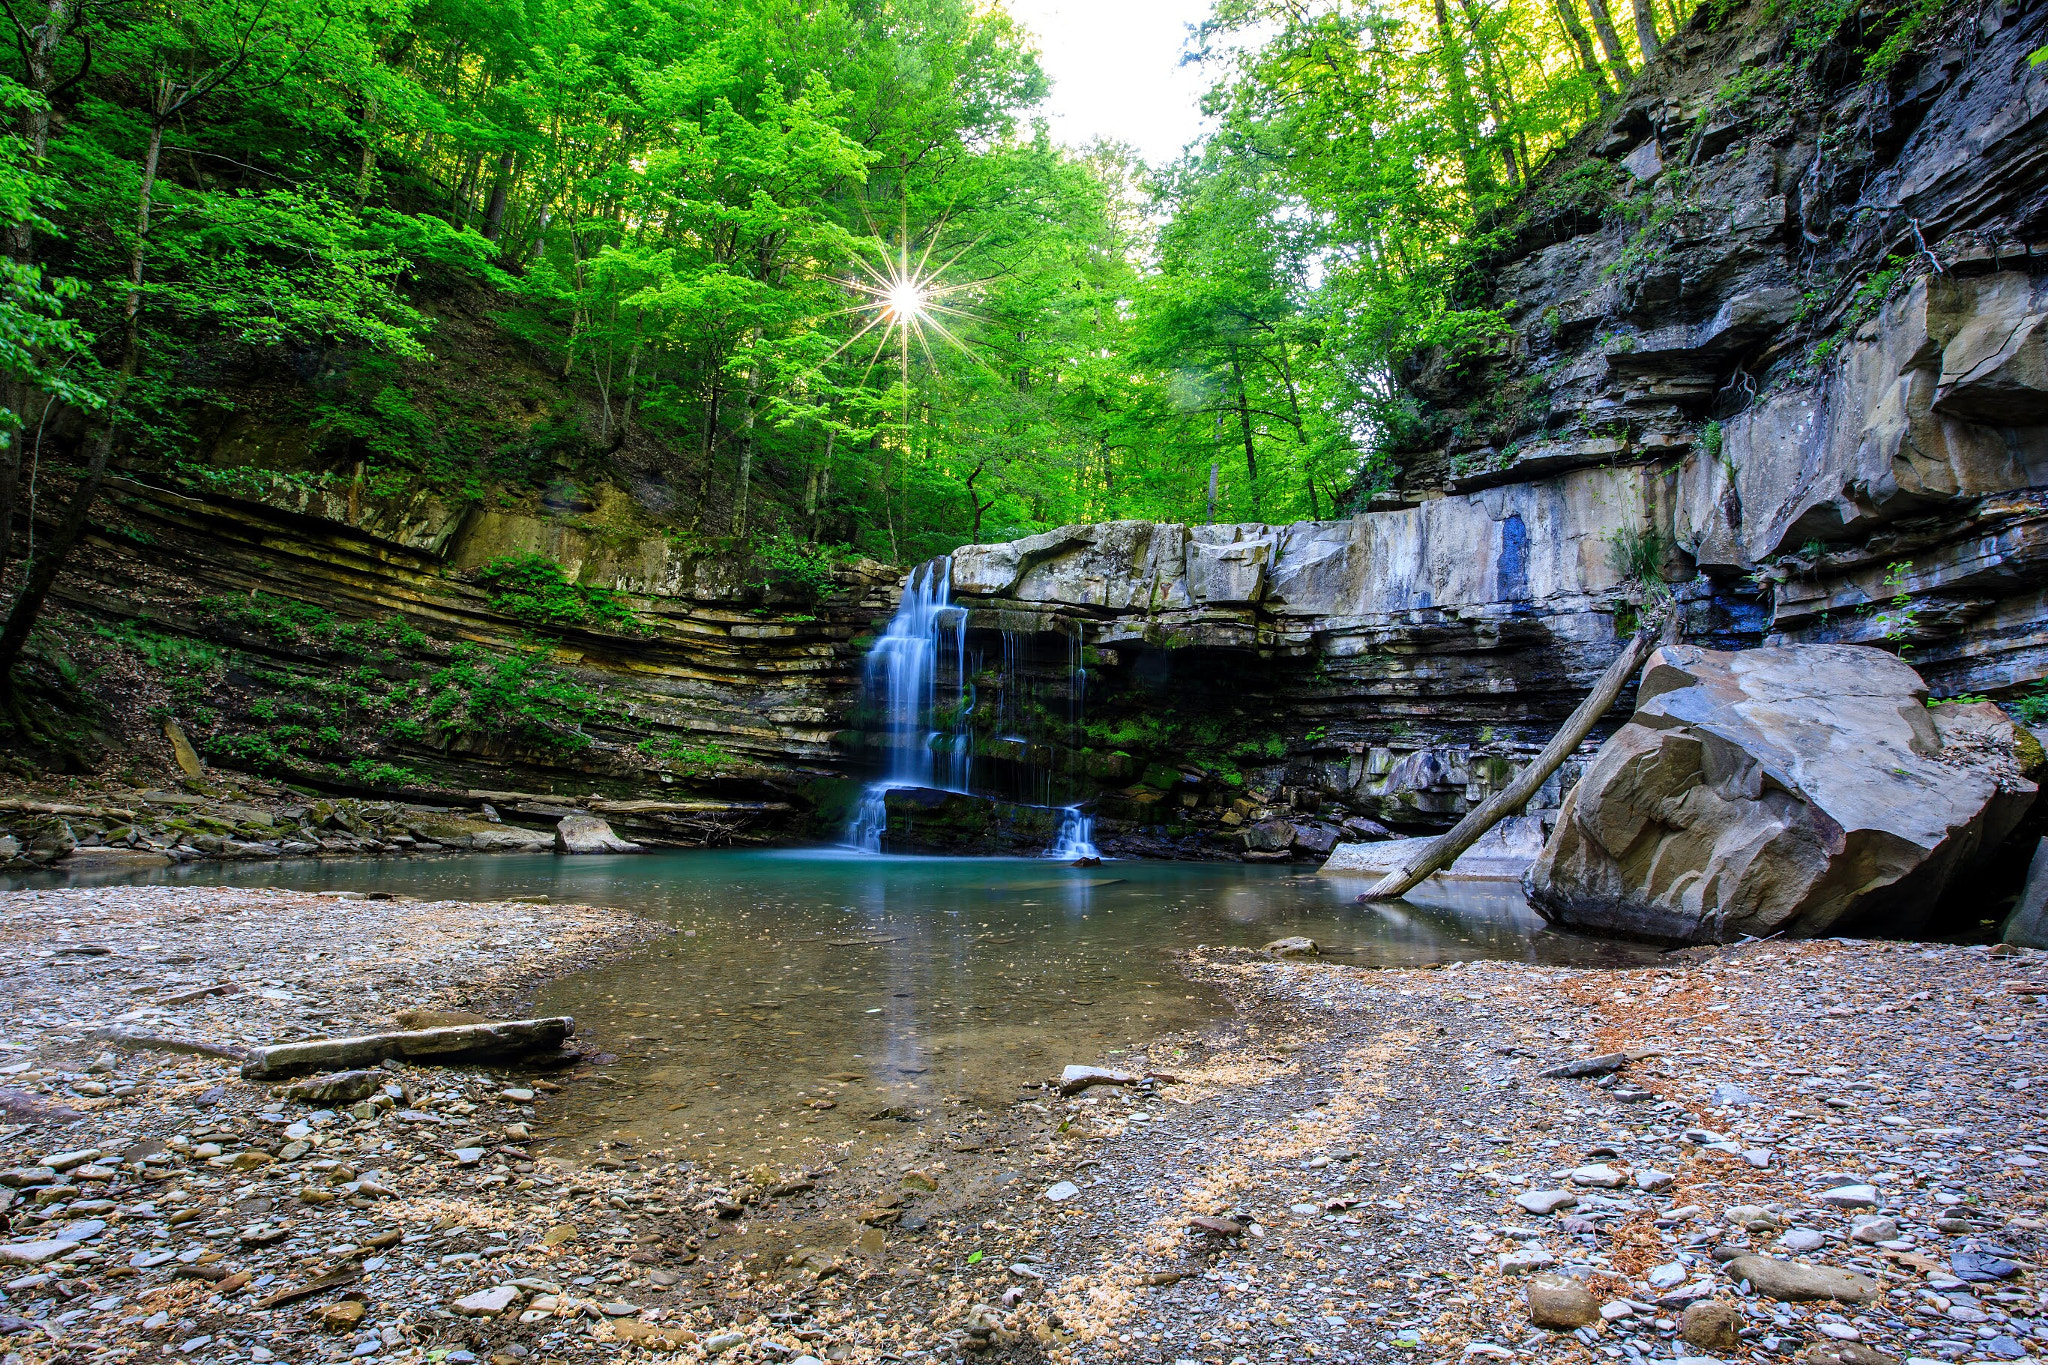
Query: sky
point(1116, 73)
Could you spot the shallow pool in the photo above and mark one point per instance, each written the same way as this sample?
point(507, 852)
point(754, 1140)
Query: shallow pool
point(807, 992)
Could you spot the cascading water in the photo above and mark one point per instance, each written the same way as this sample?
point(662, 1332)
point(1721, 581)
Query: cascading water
point(927, 740)
point(918, 681)
point(1076, 838)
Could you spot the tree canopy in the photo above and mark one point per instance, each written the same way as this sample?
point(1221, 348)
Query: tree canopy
point(524, 248)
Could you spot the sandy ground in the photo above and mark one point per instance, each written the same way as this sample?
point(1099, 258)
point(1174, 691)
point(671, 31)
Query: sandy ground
point(1333, 1173)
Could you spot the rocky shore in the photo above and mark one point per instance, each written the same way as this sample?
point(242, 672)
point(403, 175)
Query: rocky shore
point(98, 826)
point(1826, 1148)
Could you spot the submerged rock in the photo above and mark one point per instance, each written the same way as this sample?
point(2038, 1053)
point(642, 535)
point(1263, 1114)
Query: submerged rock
point(1803, 789)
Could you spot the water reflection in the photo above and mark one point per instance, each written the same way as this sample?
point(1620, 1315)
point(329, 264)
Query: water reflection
point(816, 997)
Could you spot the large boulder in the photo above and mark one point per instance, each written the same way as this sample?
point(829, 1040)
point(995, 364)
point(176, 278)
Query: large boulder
point(461, 831)
point(589, 834)
point(1802, 789)
point(2027, 925)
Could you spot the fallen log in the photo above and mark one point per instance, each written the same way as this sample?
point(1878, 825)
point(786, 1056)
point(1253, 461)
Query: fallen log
point(136, 1040)
point(459, 1042)
point(1511, 798)
point(1601, 1065)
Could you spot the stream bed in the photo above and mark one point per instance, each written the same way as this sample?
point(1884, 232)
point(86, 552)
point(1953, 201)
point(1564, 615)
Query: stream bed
point(814, 997)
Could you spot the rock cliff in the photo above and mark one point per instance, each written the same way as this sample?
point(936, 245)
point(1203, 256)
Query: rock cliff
point(351, 645)
point(1773, 345)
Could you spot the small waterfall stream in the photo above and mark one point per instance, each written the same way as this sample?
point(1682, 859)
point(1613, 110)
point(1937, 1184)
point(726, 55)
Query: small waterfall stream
point(919, 682)
point(928, 742)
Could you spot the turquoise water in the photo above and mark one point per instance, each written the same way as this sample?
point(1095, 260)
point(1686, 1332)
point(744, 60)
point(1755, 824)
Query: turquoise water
point(807, 991)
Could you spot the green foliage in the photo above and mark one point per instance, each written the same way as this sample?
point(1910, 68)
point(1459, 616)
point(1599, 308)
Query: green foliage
point(1711, 439)
point(1637, 556)
point(514, 695)
point(795, 565)
point(1870, 296)
point(2031, 706)
point(185, 665)
point(533, 588)
point(1900, 623)
point(377, 773)
point(679, 756)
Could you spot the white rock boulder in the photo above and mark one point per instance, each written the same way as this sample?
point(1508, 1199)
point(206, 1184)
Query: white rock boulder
point(589, 834)
point(1802, 789)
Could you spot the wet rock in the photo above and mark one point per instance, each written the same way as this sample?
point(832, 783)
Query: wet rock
point(1980, 1267)
point(1295, 946)
point(1801, 789)
point(1560, 1302)
point(1800, 1281)
point(1713, 1326)
point(482, 836)
point(340, 1087)
point(589, 834)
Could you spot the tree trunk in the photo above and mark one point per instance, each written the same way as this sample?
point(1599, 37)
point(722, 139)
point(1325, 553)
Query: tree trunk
point(707, 446)
point(42, 574)
point(373, 112)
point(1464, 114)
point(626, 390)
point(1498, 101)
point(39, 51)
point(1646, 30)
point(815, 486)
point(747, 419)
point(1244, 422)
point(1589, 61)
point(501, 194)
point(1445, 849)
point(1610, 42)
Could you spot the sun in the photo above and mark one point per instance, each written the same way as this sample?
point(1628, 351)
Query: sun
point(907, 301)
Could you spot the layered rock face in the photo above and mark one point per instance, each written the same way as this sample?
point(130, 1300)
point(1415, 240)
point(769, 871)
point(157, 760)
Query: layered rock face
point(1792, 789)
point(721, 697)
point(1820, 305)
point(1244, 690)
point(1776, 331)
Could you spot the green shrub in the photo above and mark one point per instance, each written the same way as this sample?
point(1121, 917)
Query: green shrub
point(795, 565)
point(679, 756)
point(532, 588)
point(516, 695)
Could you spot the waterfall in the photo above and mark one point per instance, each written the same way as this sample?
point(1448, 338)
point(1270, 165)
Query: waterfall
point(917, 685)
point(1076, 838)
point(925, 733)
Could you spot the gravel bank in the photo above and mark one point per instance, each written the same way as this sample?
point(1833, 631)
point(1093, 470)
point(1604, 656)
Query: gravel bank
point(1356, 1142)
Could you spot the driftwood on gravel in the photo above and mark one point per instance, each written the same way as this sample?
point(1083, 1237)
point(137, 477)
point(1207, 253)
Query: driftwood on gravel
point(137, 1040)
point(1446, 847)
point(461, 1042)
